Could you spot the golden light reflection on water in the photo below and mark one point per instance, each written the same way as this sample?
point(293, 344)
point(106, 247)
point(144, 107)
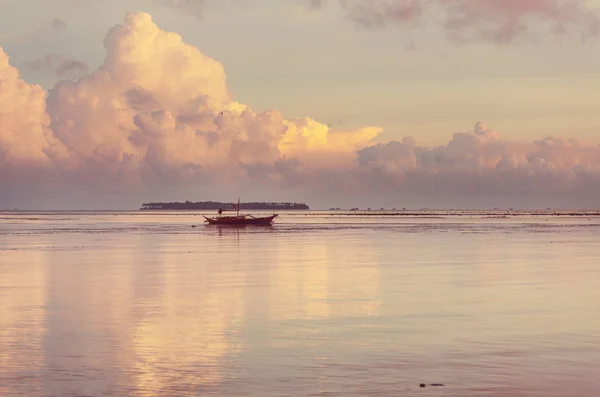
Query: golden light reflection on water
point(312, 280)
point(299, 282)
point(183, 331)
point(354, 284)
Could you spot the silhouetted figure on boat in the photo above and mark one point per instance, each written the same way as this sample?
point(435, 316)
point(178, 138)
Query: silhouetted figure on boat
point(239, 219)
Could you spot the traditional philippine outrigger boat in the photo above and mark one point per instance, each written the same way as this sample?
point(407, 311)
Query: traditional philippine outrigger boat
point(239, 219)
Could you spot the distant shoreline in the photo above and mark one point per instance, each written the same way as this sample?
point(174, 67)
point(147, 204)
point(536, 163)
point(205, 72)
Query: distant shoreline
point(215, 205)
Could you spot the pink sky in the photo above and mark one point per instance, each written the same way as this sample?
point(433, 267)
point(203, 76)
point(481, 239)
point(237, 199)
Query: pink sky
point(157, 120)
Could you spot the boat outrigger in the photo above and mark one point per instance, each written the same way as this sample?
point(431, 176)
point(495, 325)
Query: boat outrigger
point(239, 219)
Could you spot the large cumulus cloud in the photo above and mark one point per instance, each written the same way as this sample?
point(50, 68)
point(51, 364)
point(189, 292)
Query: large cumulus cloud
point(158, 112)
point(158, 116)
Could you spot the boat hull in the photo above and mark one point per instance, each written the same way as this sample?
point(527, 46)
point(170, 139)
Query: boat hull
point(241, 220)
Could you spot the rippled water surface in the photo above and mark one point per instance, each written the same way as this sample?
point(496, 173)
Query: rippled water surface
point(158, 304)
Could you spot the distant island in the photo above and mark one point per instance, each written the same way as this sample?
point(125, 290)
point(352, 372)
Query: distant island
point(215, 205)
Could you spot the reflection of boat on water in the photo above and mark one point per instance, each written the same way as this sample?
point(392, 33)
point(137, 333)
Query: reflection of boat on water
point(239, 219)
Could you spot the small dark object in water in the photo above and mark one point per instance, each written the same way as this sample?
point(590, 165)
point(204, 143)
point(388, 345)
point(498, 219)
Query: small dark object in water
point(193, 225)
point(422, 385)
point(436, 384)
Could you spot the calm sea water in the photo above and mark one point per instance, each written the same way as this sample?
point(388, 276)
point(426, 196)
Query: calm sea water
point(144, 304)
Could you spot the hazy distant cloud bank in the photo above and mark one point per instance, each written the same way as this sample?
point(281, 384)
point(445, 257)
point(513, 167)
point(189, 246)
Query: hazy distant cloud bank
point(482, 163)
point(499, 21)
point(158, 116)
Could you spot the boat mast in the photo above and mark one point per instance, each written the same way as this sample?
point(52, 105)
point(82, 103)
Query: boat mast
point(238, 207)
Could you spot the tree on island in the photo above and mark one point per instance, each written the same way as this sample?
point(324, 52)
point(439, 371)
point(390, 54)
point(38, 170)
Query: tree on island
point(214, 205)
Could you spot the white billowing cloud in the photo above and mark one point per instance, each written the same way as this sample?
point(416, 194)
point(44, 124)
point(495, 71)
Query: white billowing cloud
point(165, 106)
point(25, 139)
point(140, 54)
point(158, 116)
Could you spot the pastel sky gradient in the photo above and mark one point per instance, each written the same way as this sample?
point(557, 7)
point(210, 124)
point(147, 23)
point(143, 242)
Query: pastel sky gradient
point(392, 90)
